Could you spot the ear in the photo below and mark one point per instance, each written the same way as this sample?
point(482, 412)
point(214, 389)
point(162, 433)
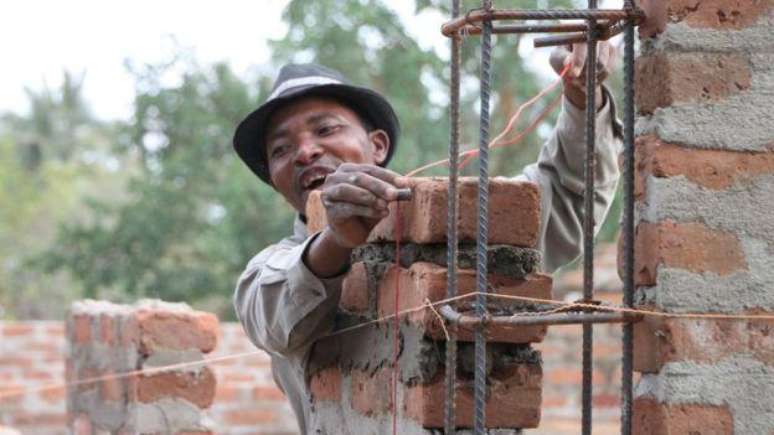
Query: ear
point(381, 143)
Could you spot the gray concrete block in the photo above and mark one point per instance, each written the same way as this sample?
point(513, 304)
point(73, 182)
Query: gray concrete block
point(166, 416)
point(745, 208)
point(746, 386)
point(681, 37)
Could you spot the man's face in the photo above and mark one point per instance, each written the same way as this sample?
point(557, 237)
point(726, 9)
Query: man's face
point(309, 138)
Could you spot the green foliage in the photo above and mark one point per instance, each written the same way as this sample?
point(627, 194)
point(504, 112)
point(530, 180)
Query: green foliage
point(193, 214)
point(160, 206)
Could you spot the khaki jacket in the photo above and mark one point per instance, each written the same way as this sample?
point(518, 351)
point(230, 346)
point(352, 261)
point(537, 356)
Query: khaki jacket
point(284, 308)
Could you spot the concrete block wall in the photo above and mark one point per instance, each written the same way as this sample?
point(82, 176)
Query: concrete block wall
point(106, 339)
point(704, 230)
point(352, 372)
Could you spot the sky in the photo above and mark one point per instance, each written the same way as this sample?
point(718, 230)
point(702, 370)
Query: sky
point(41, 38)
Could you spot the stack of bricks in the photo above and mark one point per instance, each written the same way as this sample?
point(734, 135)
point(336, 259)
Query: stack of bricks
point(704, 226)
point(107, 341)
point(350, 378)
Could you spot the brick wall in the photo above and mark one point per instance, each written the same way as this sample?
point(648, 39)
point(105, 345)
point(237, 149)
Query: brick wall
point(352, 372)
point(247, 401)
point(705, 233)
point(106, 341)
point(32, 354)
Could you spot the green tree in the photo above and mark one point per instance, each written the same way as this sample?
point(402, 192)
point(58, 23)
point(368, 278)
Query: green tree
point(191, 214)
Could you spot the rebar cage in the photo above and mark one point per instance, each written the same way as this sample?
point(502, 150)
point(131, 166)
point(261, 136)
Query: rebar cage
point(600, 24)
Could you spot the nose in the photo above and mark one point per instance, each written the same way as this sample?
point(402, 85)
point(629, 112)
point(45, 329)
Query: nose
point(308, 150)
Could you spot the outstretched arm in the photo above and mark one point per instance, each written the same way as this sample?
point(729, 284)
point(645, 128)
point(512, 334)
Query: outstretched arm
point(559, 170)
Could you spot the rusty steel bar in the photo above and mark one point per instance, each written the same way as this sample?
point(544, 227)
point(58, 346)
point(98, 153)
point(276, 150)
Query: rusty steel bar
point(605, 32)
point(628, 224)
point(449, 421)
point(589, 219)
point(568, 318)
point(479, 377)
point(479, 15)
point(470, 29)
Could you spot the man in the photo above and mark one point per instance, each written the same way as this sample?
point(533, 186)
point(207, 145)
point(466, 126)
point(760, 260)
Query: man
point(316, 131)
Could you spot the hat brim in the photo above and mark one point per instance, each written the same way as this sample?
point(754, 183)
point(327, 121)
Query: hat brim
point(249, 138)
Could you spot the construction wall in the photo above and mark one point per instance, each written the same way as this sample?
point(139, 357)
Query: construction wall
point(352, 372)
point(705, 232)
point(247, 400)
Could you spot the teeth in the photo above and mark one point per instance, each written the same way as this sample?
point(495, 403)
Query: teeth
point(314, 179)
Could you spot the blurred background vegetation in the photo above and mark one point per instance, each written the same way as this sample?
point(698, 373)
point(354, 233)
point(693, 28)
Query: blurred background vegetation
point(160, 206)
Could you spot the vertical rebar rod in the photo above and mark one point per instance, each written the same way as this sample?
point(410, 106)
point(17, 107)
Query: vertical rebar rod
point(628, 223)
point(479, 381)
point(588, 218)
point(451, 224)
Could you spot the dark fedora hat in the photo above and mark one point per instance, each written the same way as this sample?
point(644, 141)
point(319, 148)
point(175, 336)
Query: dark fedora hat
point(303, 80)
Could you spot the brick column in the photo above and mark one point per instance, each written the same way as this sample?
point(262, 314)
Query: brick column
point(107, 339)
point(351, 373)
point(705, 217)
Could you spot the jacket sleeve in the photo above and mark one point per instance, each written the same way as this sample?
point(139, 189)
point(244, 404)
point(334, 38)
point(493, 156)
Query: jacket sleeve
point(559, 172)
point(282, 305)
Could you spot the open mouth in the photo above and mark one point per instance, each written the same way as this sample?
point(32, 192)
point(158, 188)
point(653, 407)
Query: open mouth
point(313, 178)
point(315, 183)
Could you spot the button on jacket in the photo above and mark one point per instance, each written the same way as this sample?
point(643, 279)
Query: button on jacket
point(284, 308)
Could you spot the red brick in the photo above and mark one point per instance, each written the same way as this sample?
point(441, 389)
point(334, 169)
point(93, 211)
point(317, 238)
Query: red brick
point(717, 14)
point(712, 169)
point(55, 329)
point(658, 341)
point(130, 331)
point(355, 290)
point(17, 329)
point(38, 375)
point(81, 324)
point(248, 417)
point(53, 395)
point(267, 393)
point(655, 18)
point(428, 281)
point(107, 329)
point(690, 246)
point(196, 388)
point(606, 400)
point(15, 361)
point(514, 213)
point(177, 330)
point(239, 377)
point(664, 80)
point(372, 392)
point(111, 388)
point(326, 385)
point(40, 419)
point(227, 393)
point(653, 418)
point(513, 400)
point(571, 375)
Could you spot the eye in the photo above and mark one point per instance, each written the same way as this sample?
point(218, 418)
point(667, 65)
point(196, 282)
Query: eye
point(328, 129)
point(279, 150)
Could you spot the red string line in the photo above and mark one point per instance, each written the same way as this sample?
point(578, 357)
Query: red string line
point(500, 140)
point(396, 322)
point(6, 393)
